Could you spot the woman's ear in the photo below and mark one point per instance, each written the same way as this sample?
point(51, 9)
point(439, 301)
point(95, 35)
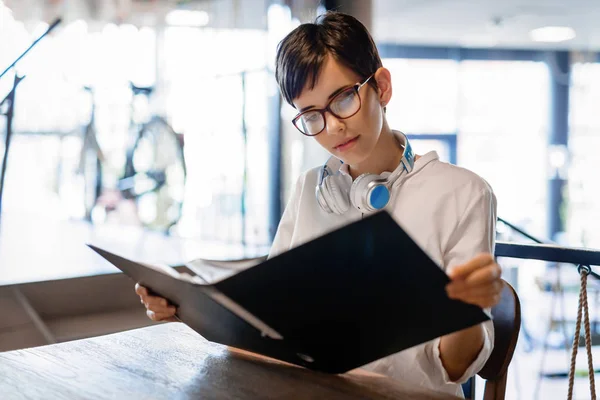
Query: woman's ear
point(384, 84)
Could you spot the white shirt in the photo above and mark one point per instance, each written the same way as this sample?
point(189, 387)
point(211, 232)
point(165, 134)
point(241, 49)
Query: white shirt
point(448, 211)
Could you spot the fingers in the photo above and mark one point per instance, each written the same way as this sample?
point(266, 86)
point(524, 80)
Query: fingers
point(464, 270)
point(157, 308)
point(158, 305)
point(477, 282)
point(140, 290)
point(491, 289)
point(155, 302)
point(148, 300)
point(170, 310)
point(486, 274)
point(161, 316)
point(482, 277)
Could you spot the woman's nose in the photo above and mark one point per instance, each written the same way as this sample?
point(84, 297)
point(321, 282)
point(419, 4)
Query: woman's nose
point(333, 125)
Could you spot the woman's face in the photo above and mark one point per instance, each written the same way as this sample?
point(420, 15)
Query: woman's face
point(352, 139)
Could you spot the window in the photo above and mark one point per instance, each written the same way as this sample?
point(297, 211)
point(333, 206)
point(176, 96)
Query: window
point(424, 98)
point(584, 139)
point(206, 98)
point(51, 103)
point(503, 135)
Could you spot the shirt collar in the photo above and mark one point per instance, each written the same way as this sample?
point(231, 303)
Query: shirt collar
point(419, 164)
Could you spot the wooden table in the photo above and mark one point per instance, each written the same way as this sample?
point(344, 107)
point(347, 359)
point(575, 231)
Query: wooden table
point(171, 361)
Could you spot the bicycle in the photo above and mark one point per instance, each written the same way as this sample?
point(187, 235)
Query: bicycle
point(153, 175)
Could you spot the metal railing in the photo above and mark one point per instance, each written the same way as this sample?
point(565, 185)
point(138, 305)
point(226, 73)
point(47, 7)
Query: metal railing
point(583, 259)
point(549, 252)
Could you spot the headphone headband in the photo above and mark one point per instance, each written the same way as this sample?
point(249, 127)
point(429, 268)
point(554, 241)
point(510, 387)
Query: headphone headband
point(333, 164)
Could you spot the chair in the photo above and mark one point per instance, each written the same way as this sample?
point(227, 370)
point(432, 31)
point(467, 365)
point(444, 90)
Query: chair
point(507, 323)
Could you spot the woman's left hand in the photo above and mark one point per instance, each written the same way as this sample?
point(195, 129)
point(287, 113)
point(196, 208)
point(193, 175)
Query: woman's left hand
point(476, 282)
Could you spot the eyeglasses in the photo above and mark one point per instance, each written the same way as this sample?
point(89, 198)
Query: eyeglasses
point(344, 105)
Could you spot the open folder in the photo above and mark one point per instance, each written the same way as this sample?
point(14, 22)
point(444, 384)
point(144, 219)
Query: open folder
point(343, 300)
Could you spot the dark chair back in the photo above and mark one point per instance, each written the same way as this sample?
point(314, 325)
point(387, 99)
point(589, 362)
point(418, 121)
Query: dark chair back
point(507, 323)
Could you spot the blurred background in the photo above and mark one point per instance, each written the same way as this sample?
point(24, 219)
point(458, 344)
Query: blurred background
point(510, 90)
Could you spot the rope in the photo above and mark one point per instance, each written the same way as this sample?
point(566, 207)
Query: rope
point(584, 271)
point(588, 338)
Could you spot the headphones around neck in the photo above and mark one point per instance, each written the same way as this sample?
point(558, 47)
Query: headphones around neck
point(368, 192)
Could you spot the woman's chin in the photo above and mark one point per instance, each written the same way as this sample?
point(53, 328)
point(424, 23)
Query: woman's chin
point(350, 158)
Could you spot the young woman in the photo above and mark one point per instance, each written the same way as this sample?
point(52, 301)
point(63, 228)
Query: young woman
point(331, 72)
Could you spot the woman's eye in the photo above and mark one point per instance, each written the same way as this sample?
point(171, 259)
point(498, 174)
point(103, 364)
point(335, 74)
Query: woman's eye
point(345, 98)
point(312, 117)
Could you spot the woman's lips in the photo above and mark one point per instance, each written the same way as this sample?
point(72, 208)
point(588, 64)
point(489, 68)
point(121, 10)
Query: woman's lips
point(346, 145)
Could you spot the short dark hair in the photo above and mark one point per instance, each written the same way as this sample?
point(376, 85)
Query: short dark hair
point(301, 54)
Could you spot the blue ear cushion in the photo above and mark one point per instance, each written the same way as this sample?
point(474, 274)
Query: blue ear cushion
point(379, 197)
point(340, 203)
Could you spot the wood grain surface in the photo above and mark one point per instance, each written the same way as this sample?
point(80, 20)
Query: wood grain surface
point(171, 361)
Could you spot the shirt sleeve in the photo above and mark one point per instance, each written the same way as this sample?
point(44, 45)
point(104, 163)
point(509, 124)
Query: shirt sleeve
point(474, 234)
point(285, 231)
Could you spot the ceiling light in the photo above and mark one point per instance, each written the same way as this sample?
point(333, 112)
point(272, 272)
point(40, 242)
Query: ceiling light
point(187, 18)
point(552, 34)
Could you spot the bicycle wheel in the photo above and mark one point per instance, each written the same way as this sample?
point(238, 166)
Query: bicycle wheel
point(155, 175)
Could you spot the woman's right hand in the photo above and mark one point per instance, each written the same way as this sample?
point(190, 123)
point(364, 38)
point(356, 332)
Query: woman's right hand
point(157, 308)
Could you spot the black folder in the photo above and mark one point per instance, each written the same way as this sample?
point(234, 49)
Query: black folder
point(338, 302)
